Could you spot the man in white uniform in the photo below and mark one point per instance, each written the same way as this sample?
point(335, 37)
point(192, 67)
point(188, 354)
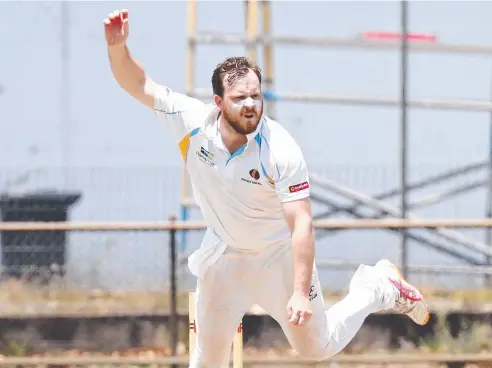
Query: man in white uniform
point(252, 185)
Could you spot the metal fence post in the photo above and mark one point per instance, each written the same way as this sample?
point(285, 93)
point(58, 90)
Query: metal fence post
point(404, 131)
point(173, 301)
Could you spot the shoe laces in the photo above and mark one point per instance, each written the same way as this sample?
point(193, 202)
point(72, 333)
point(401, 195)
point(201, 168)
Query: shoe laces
point(407, 296)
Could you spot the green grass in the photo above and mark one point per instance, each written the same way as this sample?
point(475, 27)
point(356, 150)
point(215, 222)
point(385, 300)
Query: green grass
point(19, 298)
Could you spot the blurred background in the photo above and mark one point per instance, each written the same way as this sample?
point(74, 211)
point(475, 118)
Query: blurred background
point(390, 102)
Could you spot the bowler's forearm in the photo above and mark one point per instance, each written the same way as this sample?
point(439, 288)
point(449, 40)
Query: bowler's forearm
point(303, 256)
point(129, 74)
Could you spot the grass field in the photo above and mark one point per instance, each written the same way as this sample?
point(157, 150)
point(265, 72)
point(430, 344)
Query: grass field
point(19, 298)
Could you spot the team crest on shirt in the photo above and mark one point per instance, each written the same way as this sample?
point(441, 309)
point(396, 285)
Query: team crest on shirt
point(205, 156)
point(255, 175)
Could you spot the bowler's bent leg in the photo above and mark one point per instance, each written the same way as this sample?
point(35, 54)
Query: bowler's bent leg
point(222, 298)
point(328, 331)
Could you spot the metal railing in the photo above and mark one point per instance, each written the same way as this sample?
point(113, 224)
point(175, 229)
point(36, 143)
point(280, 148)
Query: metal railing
point(173, 225)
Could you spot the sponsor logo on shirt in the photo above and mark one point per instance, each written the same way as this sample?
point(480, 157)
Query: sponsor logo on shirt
point(299, 187)
point(312, 293)
point(205, 156)
point(206, 153)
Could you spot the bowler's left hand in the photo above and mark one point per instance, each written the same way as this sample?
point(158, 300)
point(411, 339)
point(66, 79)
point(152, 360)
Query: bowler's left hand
point(299, 309)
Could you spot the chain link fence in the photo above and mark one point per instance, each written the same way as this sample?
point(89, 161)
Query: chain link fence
point(133, 260)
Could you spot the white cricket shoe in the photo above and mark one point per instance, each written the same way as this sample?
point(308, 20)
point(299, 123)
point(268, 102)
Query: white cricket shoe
point(409, 300)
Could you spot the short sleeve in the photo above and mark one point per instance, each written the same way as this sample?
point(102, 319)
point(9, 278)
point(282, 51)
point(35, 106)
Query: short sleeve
point(292, 182)
point(179, 111)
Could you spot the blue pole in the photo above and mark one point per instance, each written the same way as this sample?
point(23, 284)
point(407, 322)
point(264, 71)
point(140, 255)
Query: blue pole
point(183, 216)
point(270, 95)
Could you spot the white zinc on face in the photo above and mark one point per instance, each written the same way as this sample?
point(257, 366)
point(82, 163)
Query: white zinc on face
point(246, 102)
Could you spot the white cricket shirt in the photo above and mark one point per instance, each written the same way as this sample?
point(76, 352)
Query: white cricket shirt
point(240, 195)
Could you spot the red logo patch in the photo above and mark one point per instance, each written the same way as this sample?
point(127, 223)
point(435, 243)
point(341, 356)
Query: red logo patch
point(298, 187)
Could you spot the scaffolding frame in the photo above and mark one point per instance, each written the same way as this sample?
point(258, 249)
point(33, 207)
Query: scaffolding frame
point(252, 9)
point(399, 42)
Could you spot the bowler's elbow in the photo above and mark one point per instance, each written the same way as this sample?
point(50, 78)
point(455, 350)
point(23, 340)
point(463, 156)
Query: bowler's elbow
point(145, 91)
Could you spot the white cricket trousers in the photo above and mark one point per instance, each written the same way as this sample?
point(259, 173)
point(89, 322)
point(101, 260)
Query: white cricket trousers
point(238, 280)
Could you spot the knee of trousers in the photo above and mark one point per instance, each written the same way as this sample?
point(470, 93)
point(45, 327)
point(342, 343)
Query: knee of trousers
point(211, 352)
point(317, 350)
point(209, 358)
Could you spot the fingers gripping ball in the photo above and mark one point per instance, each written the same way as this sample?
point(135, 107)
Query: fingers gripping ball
point(116, 27)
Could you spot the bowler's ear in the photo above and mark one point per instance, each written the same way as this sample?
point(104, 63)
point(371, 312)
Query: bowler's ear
point(218, 100)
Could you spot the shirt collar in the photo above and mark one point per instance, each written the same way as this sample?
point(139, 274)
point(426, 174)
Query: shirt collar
point(253, 135)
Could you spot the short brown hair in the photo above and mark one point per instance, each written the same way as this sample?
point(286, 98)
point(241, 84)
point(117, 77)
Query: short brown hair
point(235, 68)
